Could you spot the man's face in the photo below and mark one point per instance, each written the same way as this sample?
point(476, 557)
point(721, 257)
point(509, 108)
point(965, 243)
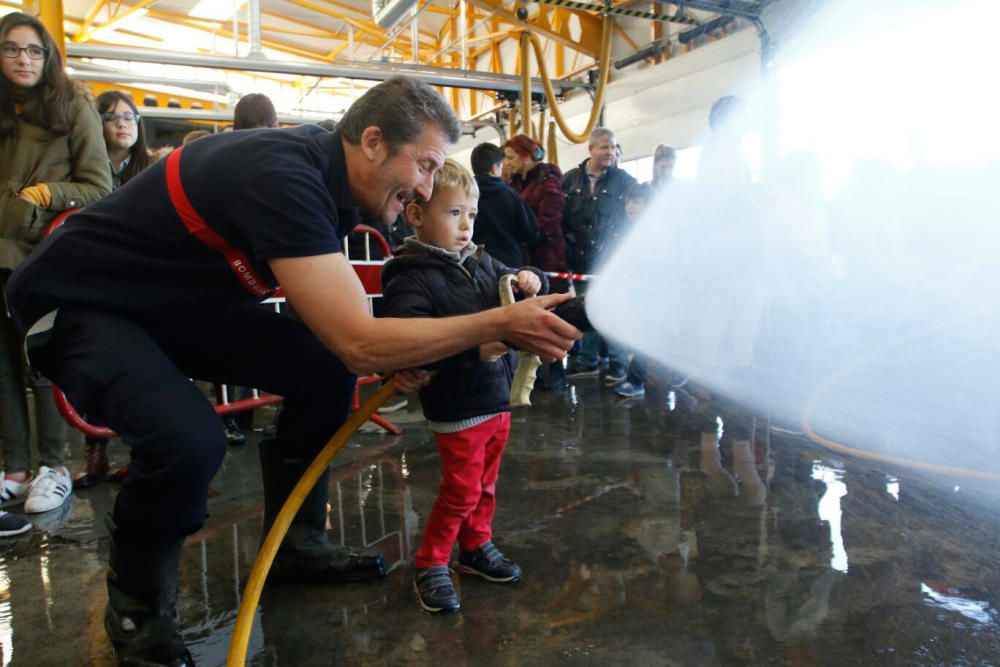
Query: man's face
point(663, 168)
point(408, 175)
point(602, 153)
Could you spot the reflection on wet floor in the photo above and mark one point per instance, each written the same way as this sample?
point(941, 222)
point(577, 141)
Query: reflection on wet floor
point(648, 536)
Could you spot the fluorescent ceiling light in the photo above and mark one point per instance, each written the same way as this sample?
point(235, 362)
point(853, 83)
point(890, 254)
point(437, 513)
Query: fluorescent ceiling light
point(216, 10)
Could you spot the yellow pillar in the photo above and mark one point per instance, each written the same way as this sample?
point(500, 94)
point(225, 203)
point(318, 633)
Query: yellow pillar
point(50, 13)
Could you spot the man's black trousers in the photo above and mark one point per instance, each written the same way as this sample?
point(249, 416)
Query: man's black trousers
point(135, 379)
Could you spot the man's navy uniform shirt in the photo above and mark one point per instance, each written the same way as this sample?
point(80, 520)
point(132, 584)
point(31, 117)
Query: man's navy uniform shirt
point(268, 193)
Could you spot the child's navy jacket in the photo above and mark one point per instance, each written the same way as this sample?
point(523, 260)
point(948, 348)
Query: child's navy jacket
point(422, 281)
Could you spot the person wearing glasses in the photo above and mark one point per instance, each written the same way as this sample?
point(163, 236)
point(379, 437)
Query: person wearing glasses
point(124, 135)
point(52, 158)
point(125, 138)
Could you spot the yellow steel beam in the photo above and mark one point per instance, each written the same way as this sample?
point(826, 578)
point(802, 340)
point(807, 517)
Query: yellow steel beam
point(624, 35)
point(186, 21)
point(89, 18)
point(50, 13)
point(84, 35)
point(363, 26)
point(366, 27)
point(345, 12)
point(336, 52)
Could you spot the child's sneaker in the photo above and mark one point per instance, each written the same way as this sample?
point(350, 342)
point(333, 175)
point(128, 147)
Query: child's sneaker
point(49, 491)
point(629, 390)
point(490, 564)
point(12, 492)
point(12, 524)
point(434, 590)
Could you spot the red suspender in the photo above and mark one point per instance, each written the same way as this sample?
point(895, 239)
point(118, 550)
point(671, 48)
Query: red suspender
point(238, 261)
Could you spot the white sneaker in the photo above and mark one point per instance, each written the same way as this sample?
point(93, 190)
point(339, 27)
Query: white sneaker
point(12, 524)
point(12, 492)
point(49, 491)
point(393, 405)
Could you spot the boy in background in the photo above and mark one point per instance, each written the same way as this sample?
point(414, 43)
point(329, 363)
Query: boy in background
point(441, 272)
point(504, 226)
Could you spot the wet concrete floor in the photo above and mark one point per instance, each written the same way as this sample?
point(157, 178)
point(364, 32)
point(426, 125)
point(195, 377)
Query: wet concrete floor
point(645, 540)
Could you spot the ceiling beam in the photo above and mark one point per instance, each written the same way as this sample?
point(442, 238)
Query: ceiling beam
point(510, 17)
point(84, 34)
point(434, 76)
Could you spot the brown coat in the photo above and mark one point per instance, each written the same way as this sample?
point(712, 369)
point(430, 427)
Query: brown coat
point(74, 166)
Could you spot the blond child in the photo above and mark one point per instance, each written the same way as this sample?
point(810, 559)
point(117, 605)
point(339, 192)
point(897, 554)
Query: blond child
point(437, 273)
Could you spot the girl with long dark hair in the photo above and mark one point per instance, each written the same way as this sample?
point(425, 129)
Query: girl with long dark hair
point(52, 158)
point(124, 135)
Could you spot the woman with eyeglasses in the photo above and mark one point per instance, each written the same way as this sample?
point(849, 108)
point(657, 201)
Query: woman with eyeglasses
point(125, 138)
point(52, 158)
point(124, 135)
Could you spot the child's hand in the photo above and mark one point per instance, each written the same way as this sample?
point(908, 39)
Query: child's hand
point(492, 351)
point(412, 379)
point(528, 283)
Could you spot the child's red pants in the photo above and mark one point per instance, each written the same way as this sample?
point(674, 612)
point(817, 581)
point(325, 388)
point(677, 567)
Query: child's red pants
point(470, 463)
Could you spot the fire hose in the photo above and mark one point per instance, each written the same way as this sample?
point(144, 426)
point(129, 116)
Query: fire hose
point(527, 364)
point(268, 550)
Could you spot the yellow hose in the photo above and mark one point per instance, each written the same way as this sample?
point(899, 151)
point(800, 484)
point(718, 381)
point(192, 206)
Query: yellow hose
point(526, 124)
point(607, 31)
point(255, 584)
point(832, 445)
point(552, 150)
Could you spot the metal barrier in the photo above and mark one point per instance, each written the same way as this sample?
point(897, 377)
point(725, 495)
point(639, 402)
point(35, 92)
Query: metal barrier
point(369, 273)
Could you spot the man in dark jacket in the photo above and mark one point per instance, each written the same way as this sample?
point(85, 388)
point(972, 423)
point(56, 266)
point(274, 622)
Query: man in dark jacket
point(593, 221)
point(504, 225)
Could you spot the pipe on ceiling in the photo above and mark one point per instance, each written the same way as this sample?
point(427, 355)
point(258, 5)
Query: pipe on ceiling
point(434, 76)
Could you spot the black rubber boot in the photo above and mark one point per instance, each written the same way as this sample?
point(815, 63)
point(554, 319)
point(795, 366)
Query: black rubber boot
point(140, 618)
point(306, 554)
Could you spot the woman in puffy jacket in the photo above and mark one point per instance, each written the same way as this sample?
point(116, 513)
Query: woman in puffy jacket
point(540, 186)
point(52, 158)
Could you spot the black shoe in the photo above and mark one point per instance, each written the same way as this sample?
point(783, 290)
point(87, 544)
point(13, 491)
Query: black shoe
point(234, 436)
point(435, 592)
point(307, 556)
point(140, 617)
point(616, 375)
point(575, 372)
point(490, 564)
point(141, 638)
point(13, 524)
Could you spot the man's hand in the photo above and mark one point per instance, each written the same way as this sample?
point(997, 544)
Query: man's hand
point(528, 283)
point(412, 379)
point(492, 351)
point(530, 326)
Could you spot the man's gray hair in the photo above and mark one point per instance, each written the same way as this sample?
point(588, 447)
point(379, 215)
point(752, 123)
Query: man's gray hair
point(400, 107)
point(601, 133)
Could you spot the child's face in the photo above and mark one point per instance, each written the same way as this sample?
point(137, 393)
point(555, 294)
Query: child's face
point(634, 208)
point(446, 221)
